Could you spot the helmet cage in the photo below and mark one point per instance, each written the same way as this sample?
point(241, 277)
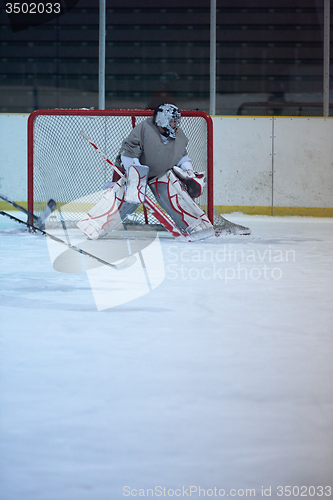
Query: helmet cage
point(168, 117)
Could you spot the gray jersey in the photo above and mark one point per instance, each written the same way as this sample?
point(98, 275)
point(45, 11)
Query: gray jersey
point(146, 144)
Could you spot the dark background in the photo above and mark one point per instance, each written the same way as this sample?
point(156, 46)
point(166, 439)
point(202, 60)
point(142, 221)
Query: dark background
point(268, 51)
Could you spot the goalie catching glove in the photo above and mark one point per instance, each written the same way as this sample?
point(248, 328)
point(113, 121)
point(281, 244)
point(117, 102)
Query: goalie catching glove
point(194, 182)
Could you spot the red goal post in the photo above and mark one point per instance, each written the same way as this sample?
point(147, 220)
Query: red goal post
point(63, 166)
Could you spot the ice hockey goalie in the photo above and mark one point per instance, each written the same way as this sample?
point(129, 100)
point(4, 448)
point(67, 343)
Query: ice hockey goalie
point(154, 153)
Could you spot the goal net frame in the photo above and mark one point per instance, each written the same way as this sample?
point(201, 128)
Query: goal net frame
point(41, 156)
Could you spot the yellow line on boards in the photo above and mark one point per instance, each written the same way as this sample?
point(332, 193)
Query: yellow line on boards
point(222, 209)
point(276, 211)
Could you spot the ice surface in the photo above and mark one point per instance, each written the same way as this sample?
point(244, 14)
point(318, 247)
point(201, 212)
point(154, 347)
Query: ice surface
point(220, 378)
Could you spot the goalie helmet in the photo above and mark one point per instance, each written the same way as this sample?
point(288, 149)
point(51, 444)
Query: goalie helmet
point(168, 116)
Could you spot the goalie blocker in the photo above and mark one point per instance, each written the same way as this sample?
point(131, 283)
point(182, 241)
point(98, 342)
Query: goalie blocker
point(107, 214)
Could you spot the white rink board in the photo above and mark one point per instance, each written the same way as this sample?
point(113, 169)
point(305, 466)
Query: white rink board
point(13, 156)
point(303, 162)
point(243, 161)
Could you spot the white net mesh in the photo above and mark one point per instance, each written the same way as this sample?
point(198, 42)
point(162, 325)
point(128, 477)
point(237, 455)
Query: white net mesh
point(68, 169)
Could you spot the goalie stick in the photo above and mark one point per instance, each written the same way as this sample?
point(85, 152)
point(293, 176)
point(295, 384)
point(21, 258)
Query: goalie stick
point(148, 203)
point(129, 261)
point(51, 204)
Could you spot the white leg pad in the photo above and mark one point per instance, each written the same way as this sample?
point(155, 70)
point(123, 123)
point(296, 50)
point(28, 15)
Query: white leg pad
point(104, 216)
point(136, 183)
point(186, 213)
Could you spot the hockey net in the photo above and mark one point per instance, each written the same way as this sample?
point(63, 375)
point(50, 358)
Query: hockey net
point(63, 166)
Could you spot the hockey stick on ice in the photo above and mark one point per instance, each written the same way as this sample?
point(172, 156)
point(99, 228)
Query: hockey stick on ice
point(129, 261)
point(51, 204)
point(15, 218)
point(148, 203)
